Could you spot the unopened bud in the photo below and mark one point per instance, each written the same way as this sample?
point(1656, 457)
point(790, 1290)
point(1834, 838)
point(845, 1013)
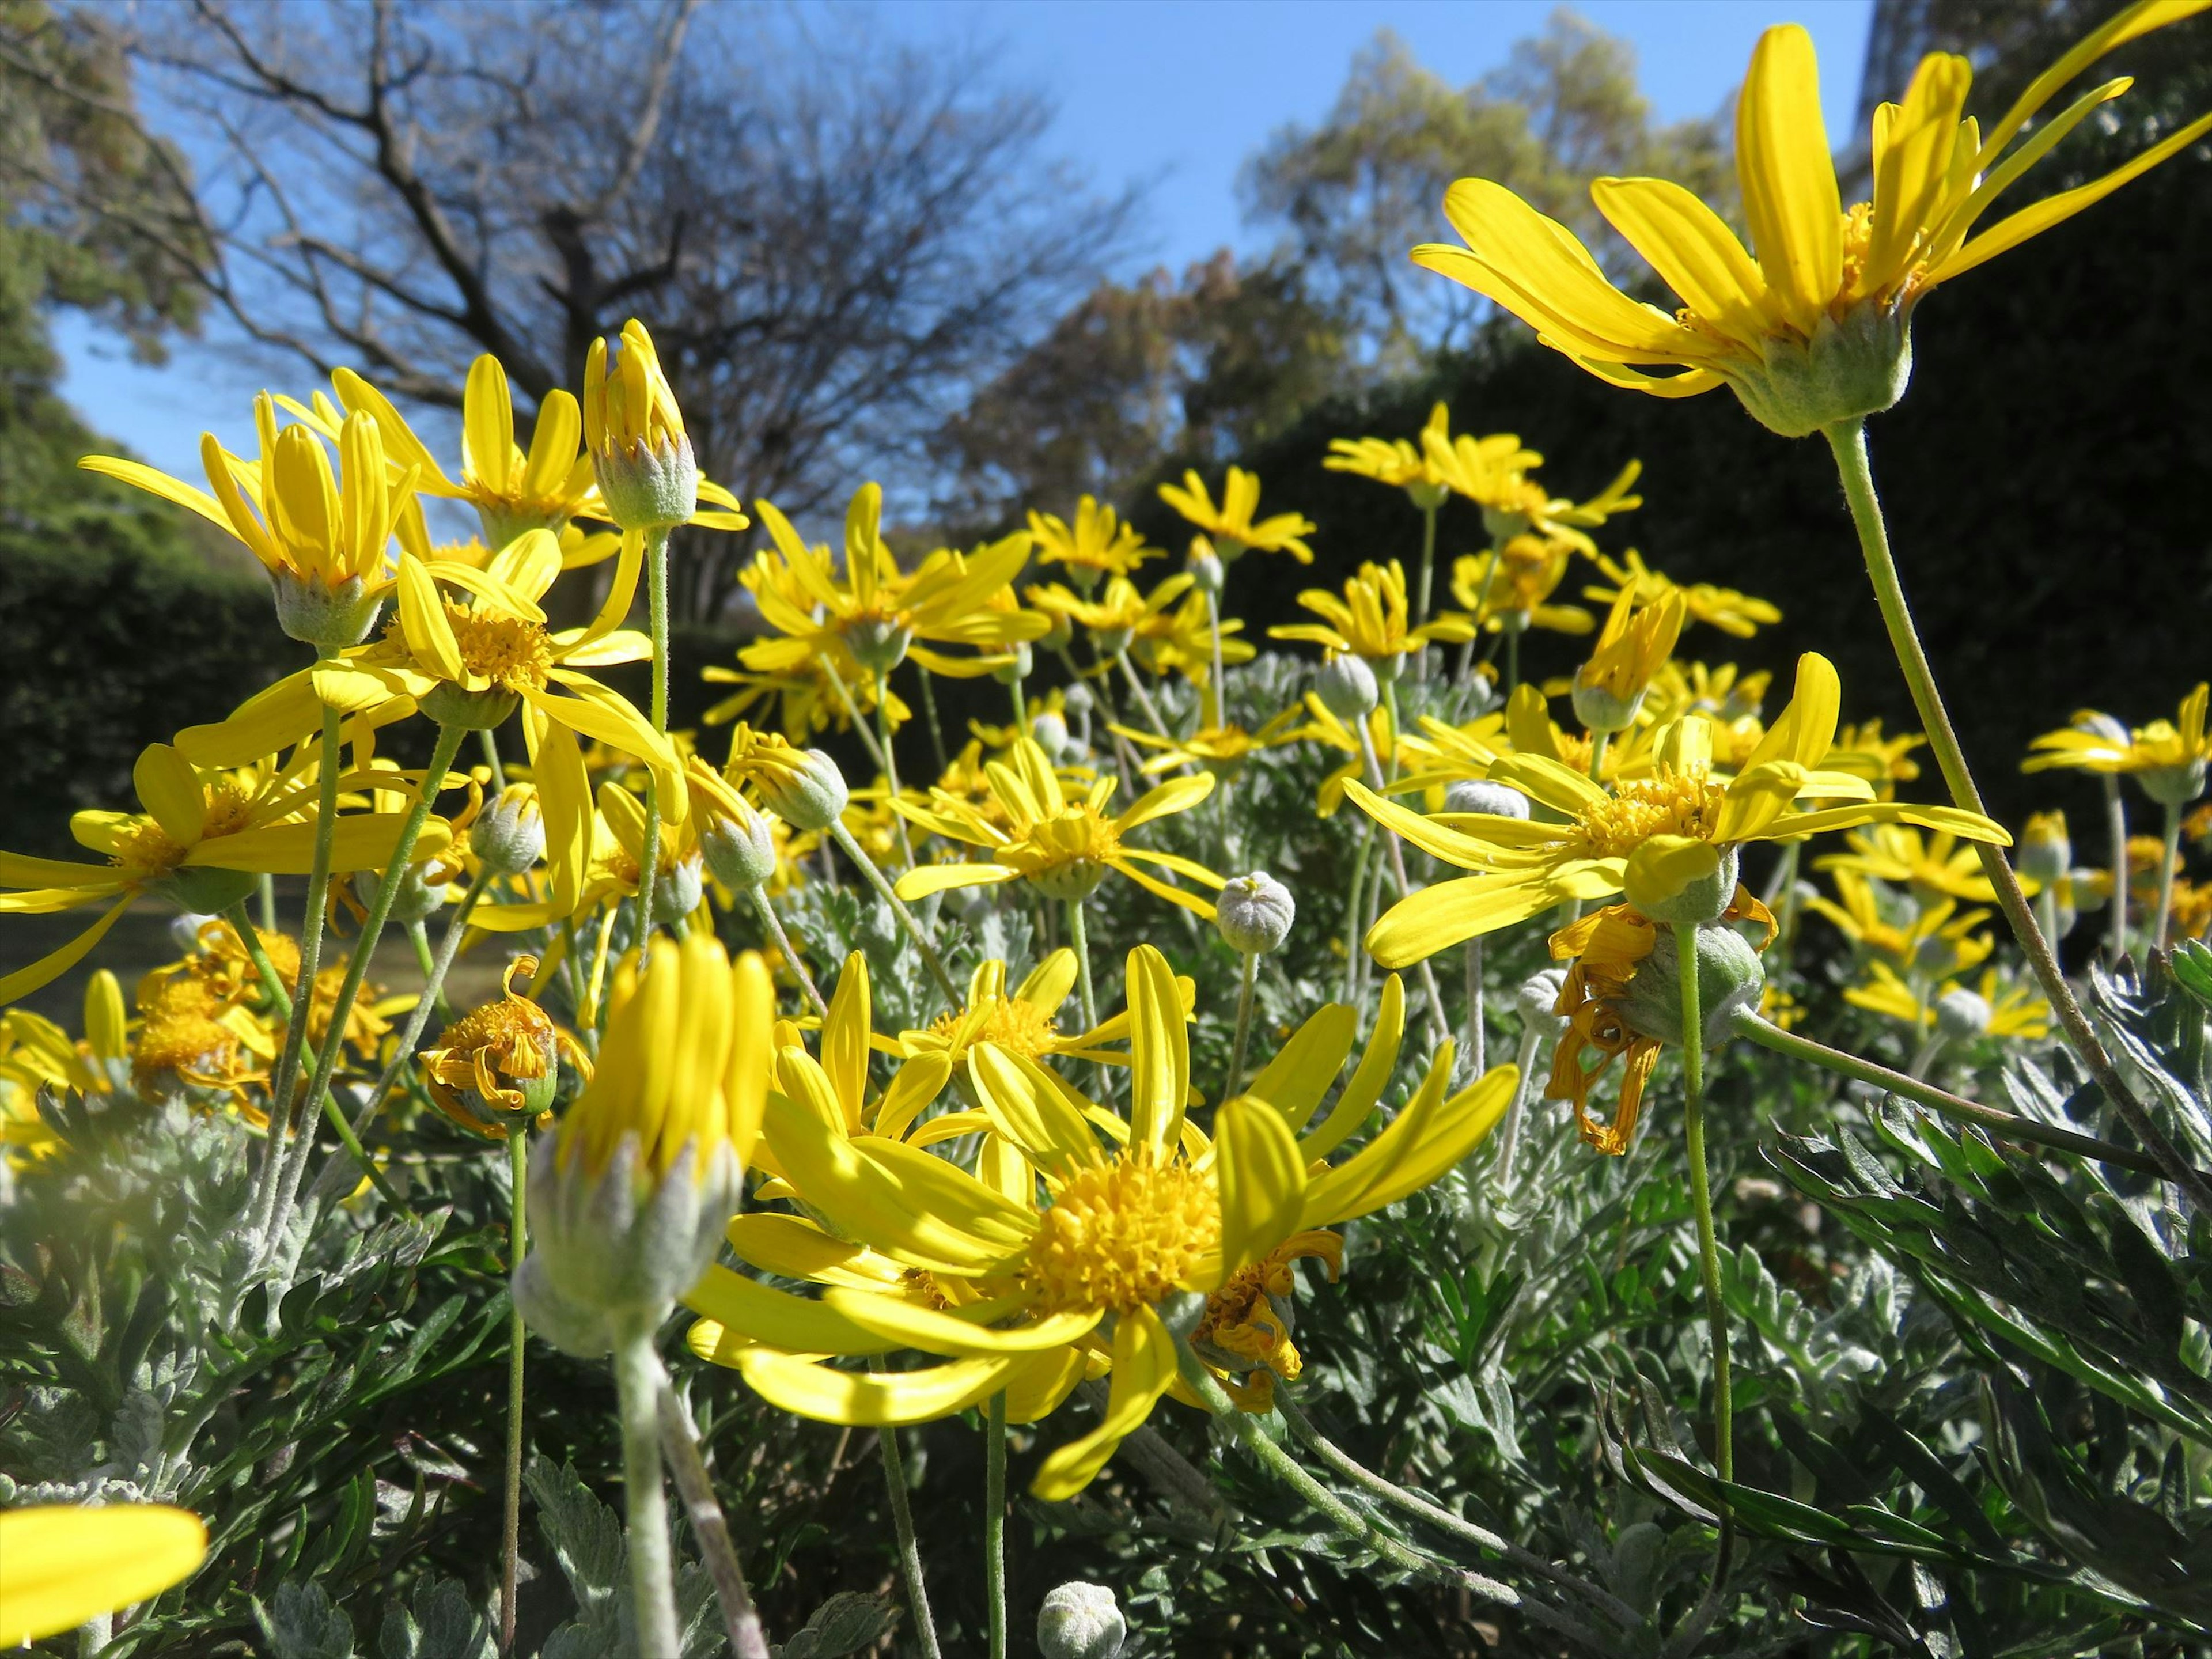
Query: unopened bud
point(2045, 853)
point(509, 834)
point(1079, 700)
point(1498, 800)
point(185, 932)
point(1019, 661)
point(813, 797)
point(1346, 686)
point(675, 891)
point(329, 618)
point(1206, 573)
point(739, 849)
point(1057, 636)
point(1538, 997)
point(1080, 1621)
point(1961, 1014)
point(1050, 733)
point(1602, 710)
point(1254, 914)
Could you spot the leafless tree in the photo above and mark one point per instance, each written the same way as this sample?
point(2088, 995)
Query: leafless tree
point(833, 239)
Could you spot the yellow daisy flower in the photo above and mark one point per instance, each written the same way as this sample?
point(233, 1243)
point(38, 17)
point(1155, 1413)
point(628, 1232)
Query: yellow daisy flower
point(1682, 820)
point(1493, 473)
point(1371, 621)
point(1230, 526)
point(1509, 589)
point(1724, 608)
point(2167, 757)
point(1932, 939)
point(1220, 749)
point(1182, 641)
point(1098, 543)
point(1932, 865)
point(1399, 463)
point(2014, 1011)
point(1810, 328)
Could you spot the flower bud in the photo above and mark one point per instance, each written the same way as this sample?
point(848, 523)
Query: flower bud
point(2045, 853)
point(328, 619)
point(639, 454)
point(185, 931)
point(1057, 636)
point(1346, 687)
point(878, 644)
point(677, 889)
point(1538, 999)
point(809, 793)
point(2173, 786)
point(509, 834)
point(1498, 800)
point(739, 848)
point(1729, 980)
point(1080, 1621)
point(1205, 569)
point(1050, 733)
point(1079, 700)
point(1254, 914)
point(1961, 1014)
point(1017, 665)
point(414, 898)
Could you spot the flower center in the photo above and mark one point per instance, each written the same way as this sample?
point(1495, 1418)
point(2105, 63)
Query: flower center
point(1121, 1236)
point(1018, 1027)
point(1671, 803)
point(512, 654)
point(514, 1033)
point(185, 1045)
point(1076, 835)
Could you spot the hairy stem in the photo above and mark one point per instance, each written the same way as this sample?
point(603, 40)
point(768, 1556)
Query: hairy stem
point(651, 1573)
point(859, 855)
point(995, 1521)
point(1245, 984)
point(518, 1241)
point(769, 920)
point(694, 1484)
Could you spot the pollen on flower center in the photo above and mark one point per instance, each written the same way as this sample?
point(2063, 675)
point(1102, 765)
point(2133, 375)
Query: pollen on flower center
point(513, 653)
point(1077, 834)
point(514, 1033)
point(1671, 803)
point(1018, 1027)
point(1123, 1235)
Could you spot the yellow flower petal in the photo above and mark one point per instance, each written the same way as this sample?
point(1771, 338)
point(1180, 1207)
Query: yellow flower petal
point(1159, 1053)
point(1263, 1180)
point(169, 788)
point(1789, 177)
point(1144, 1365)
point(1297, 1078)
point(61, 1565)
point(872, 1400)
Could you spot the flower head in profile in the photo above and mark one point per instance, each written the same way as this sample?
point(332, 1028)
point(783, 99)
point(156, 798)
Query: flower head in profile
point(1655, 838)
point(1063, 847)
point(1885, 927)
point(1631, 648)
point(1401, 462)
point(1183, 641)
point(1114, 615)
point(1221, 750)
point(1009, 1292)
point(1231, 526)
point(1097, 543)
point(1508, 590)
point(1370, 621)
point(1931, 866)
point(1808, 326)
point(2167, 757)
point(1732, 612)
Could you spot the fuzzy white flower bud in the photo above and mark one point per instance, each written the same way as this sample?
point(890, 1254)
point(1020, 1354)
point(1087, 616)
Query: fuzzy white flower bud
point(1079, 700)
point(1961, 1014)
point(739, 849)
point(1022, 661)
point(1500, 801)
point(1080, 1621)
point(1539, 996)
point(509, 834)
point(1730, 979)
point(1206, 573)
point(675, 891)
point(1254, 914)
point(1050, 731)
point(811, 799)
point(1346, 687)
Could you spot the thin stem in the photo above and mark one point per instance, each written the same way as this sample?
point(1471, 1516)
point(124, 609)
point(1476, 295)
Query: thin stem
point(1428, 574)
point(1512, 661)
point(1998, 1124)
point(1532, 1038)
point(1220, 679)
point(1143, 697)
point(679, 1444)
point(2116, 818)
point(372, 928)
point(1701, 1198)
point(1599, 740)
point(2167, 865)
point(1847, 438)
point(859, 855)
point(995, 1521)
point(1439, 1030)
point(282, 1081)
point(418, 937)
point(1021, 706)
point(859, 725)
point(1478, 1036)
point(1079, 937)
point(1466, 1532)
point(1353, 929)
point(909, 1548)
point(648, 862)
point(1244, 1023)
point(488, 739)
point(518, 1241)
point(929, 714)
point(890, 770)
point(652, 1577)
point(267, 884)
point(769, 920)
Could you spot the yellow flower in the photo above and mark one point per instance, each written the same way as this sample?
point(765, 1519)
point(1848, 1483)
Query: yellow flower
point(1118, 614)
point(1812, 329)
point(1025, 1020)
point(1724, 608)
point(200, 839)
point(1932, 865)
point(1220, 749)
point(1525, 867)
point(1631, 648)
point(2014, 1011)
point(1509, 588)
point(1931, 939)
point(1098, 543)
point(1885, 763)
point(497, 1066)
point(2167, 757)
point(1326, 728)
point(1011, 1293)
point(61, 1564)
point(878, 611)
point(1394, 461)
point(1181, 641)
point(1230, 526)
point(1493, 472)
point(1370, 621)
point(806, 701)
point(1062, 848)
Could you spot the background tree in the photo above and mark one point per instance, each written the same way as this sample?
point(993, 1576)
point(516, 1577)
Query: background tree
point(835, 242)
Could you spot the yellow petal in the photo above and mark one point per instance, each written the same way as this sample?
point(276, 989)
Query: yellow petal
point(1263, 1180)
point(924, 879)
point(959, 1335)
point(797, 1324)
point(845, 1035)
point(1297, 1078)
point(1789, 178)
point(1031, 1107)
point(487, 425)
point(61, 1565)
point(1691, 247)
point(1453, 912)
point(52, 966)
point(1663, 866)
point(872, 1400)
point(169, 789)
point(1144, 1365)
point(1368, 1081)
point(1159, 1053)
point(422, 621)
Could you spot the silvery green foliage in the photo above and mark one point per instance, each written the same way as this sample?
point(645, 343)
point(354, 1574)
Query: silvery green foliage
point(846, 1623)
point(585, 1538)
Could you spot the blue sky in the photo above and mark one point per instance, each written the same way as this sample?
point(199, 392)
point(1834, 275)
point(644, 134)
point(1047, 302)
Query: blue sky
point(1174, 94)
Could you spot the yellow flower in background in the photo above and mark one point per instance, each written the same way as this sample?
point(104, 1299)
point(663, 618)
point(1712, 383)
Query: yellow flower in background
point(1011, 1294)
point(1934, 866)
point(1064, 848)
point(1724, 608)
point(1119, 613)
point(1493, 473)
point(1631, 648)
point(1809, 326)
point(1220, 749)
point(1931, 939)
point(1370, 622)
point(1230, 526)
point(878, 611)
point(2167, 757)
point(1395, 461)
point(1024, 1021)
point(1523, 867)
point(1998, 1007)
point(804, 699)
point(1098, 543)
point(496, 1067)
point(1181, 641)
point(61, 1564)
point(199, 840)
point(1883, 762)
point(1508, 590)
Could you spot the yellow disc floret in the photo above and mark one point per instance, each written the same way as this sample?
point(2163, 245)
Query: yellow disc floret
point(1670, 804)
point(1121, 1236)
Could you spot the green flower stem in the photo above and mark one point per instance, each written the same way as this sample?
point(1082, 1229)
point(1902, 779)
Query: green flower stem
point(1021, 705)
point(488, 740)
point(1354, 931)
point(1599, 741)
point(1532, 1039)
point(679, 1444)
point(1998, 1124)
point(1785, 894)
point(859, 855)
point(995, 1521)
point(652, 1575)
point(1220, 677)
point(909, 1548)
point(2116, 817)
point(858, 724)
point(1334, 1457)
point(929, 713)
point(2169, 862)
point(280, 1005)
point(418, 936)
point(1478, 1037)
point(1079, 939)
point(1245, 984)
point(769, 920)
point(1848, 440)
point(1143, 697)
point(282, 1081)
point(648, 862)
point(1512, 661)
point(1439, 1031)
point(267, 886)
point(1701, 1198)
point(517, 1241)
point(372, 929)
point(1428, 575)
point(890, 770)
